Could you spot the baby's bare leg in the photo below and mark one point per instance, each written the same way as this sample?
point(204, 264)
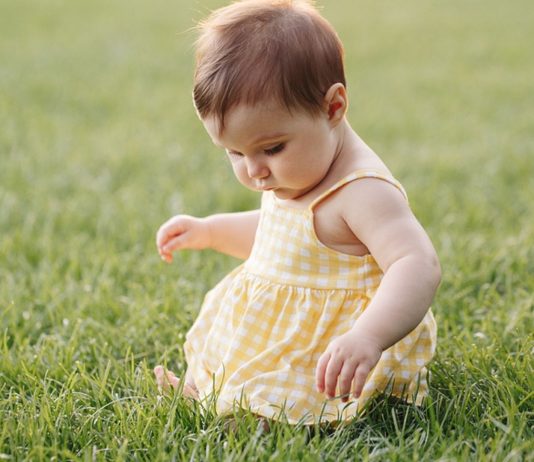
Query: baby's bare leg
point(166, 380)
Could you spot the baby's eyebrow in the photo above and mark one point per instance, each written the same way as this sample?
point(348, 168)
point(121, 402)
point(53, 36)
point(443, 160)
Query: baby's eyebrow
point(259, 140)
point(268, 137)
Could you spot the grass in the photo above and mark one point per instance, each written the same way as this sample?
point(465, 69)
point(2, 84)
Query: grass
point(99, 144)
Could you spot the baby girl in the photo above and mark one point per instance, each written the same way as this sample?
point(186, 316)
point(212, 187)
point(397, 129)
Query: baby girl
point(331, 304)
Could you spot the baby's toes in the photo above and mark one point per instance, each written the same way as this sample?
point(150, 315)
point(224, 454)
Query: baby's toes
point(190, 391)
point(164, 380)
point(159, 372)
point(173, 380)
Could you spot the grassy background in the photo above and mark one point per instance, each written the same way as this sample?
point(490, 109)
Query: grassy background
point(99, 144)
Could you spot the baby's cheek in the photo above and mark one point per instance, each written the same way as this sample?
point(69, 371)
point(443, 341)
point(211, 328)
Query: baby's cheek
point(242, 176)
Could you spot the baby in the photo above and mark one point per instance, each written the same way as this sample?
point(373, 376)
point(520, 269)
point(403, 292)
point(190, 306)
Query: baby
point(331, 304)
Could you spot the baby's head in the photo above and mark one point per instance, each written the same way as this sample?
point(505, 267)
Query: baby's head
point(273, 68)
point(275, 51)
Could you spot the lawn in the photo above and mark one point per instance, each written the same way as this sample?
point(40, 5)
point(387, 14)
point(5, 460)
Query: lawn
point(99, 144)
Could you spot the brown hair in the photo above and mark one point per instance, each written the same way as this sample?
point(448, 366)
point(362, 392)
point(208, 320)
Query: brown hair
point(265, 50)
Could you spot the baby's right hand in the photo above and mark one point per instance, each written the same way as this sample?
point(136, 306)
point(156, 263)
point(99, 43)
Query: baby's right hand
point(182, 232)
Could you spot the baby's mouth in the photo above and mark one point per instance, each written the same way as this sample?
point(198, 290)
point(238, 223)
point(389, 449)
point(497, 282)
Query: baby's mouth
point(265, 188)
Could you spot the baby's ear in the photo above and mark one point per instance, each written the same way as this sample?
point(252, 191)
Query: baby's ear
point(336, 103)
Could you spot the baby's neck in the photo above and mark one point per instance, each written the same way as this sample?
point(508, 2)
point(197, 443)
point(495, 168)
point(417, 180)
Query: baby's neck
point(349, 147)
point(353, 153)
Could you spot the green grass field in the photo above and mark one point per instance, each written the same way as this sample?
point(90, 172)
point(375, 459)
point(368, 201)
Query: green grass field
point(99, 144)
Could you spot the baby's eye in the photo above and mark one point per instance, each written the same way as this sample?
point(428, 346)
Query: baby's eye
point(234, 153)
point(274, 150)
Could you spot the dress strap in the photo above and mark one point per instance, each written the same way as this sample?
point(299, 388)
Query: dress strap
point(356, 175)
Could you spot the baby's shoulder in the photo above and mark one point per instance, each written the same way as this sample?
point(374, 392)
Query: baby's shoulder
point(369, 184)
point(346, 215)
point(367, 192)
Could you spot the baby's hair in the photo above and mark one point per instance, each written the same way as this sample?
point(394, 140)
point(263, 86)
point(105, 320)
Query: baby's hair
point(254, 51)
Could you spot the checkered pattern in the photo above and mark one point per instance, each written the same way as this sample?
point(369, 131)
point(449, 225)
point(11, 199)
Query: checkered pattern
point(262, 329)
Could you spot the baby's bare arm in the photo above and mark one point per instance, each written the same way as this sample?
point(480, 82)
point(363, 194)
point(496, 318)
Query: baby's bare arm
point(384, 222)
point(233, 233)
point(380, 217)
point(229, 233)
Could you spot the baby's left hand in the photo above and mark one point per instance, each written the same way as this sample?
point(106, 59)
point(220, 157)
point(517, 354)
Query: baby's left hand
point(349, 357)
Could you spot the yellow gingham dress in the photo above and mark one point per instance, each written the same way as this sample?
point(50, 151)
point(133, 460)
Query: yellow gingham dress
point(262, 329)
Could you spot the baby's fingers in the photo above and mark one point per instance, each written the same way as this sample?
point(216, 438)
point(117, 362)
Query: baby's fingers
point(176, 243)
point(175, 226)
point(359, 379)
point(345, 379)
point(332, 373)
point(320, 371)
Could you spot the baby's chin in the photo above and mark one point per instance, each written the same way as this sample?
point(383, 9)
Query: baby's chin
point(281, 193)
point(288, 194)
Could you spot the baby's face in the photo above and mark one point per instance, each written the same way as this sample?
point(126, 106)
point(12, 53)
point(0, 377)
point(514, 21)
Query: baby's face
point(272, 149)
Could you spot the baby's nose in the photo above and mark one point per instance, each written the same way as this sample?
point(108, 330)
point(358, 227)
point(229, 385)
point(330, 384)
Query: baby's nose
point(257, 171)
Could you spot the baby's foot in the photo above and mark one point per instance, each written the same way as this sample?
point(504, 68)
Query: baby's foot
point(166, 380)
